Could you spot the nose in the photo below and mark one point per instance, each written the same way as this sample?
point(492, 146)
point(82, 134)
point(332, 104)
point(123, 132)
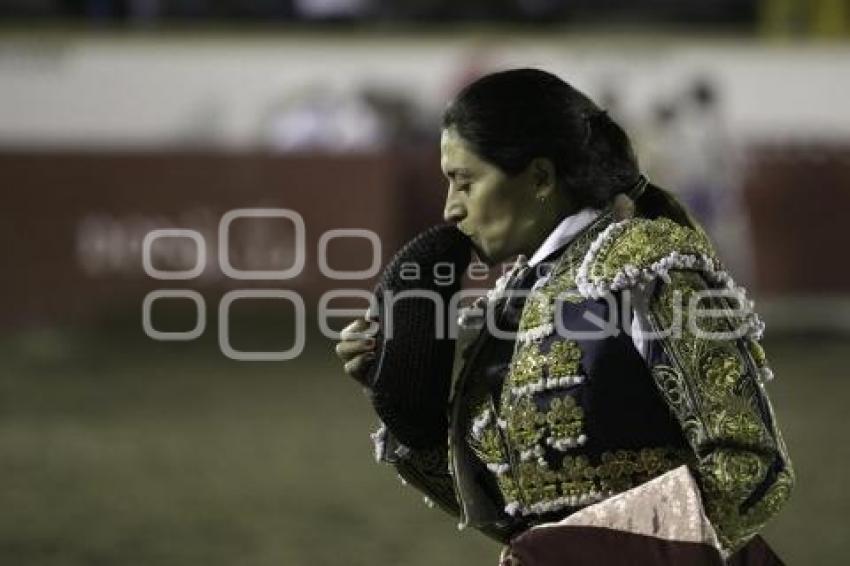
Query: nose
point(454, 210)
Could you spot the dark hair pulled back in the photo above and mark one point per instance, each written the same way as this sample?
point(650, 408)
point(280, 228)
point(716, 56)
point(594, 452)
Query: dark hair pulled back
point(511, 117)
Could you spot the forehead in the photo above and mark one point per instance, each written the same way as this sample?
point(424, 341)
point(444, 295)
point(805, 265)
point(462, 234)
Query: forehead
point(456, 153)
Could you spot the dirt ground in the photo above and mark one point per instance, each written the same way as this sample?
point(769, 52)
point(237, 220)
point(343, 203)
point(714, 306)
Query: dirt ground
point(118, 450)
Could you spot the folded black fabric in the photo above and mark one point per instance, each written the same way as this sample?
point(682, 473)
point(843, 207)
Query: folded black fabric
point(411, 378)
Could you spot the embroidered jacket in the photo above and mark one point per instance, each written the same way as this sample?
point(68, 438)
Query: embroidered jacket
point(568, 414)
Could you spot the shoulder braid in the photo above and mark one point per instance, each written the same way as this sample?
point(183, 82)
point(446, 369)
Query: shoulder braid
point(638, 249)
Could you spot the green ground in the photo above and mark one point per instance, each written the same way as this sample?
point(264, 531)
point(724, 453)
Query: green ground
point(122, 451)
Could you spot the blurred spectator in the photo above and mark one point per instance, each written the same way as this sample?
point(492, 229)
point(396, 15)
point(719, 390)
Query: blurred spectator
point(690, 151)
point(658, 141)
point(403, 122)
point(366, 120)
point(318, 119)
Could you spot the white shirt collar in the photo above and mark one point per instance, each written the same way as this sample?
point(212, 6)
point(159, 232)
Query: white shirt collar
point(563, 233)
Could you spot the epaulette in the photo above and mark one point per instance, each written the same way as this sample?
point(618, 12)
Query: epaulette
point(639, 250)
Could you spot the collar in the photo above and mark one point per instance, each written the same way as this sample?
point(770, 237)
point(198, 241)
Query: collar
point(563, 233)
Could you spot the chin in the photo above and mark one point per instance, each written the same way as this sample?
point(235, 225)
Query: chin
point(489, 254)
point(490, 258)
point(482, 256)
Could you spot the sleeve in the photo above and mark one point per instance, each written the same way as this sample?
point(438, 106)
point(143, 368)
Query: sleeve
point(710, 368)
point(425, 469)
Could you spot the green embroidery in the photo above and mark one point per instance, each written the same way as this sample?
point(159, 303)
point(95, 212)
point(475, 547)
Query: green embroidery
point(565, 420)
point(736, 421)
point(759, 359)
point(545, 476)
point(578, 482)
point(751, 521)
point(538, 310)
point(524, 425)
point(540, 307)
point(537, 483)
point(728, 477)
point(533, 370)
point(725, 415)
point(672, 385)
point(565, 272)
point(623, 469)
point(707, 383)
point(509, 488)
point(486, 440)
point(722, 368)
point(563, 358)
point(757, 352)
point(639, 243)
point(561, 283)
point(578, 479)
point(616, 470)
point(527, 366)
point(491, 446)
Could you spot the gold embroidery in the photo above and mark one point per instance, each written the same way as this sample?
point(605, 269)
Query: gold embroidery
point(578, 482)
point(524, 425)
point(641, 242)
point(486, 441)
point(537, 483)
point(538, 310)
point(533, 370)
point(736, 421)
point(707, 383)
point(577, 477)
point(722, 367)
point(563, 359)
point(527, 366)
point(509, 488)
point(757, 352)
point(566, 422)
point(720, 406)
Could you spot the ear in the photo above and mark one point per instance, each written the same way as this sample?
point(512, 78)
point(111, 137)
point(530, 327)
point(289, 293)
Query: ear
point(543, 176)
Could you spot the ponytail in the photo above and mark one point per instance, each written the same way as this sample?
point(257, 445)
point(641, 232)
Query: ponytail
point(646, 200)
point(655, 202)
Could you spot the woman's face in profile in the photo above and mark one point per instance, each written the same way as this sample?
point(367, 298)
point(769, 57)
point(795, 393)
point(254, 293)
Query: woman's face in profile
point(500, 213)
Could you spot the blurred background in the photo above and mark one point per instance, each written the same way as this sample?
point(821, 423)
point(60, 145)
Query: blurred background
point(120, 117)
